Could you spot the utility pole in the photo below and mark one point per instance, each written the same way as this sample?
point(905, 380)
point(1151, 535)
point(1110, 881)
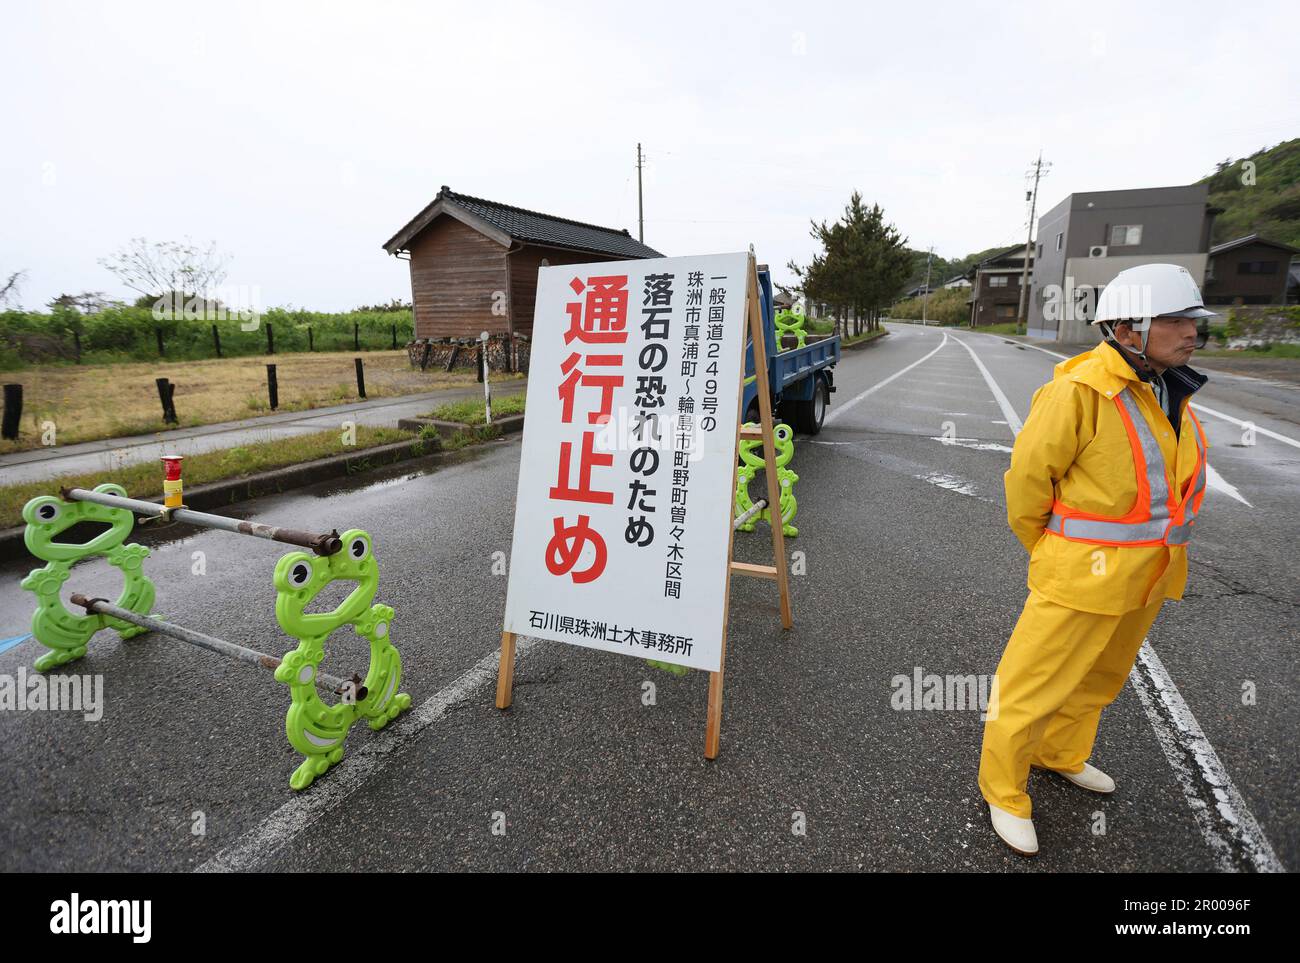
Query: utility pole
point(640, 207)
point(1022, 316)
point(925, 295)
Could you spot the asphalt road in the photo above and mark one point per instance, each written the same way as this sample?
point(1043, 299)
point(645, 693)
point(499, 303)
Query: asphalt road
point(909, 565)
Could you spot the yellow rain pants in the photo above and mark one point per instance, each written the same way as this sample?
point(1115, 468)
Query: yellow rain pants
point(1060, 668)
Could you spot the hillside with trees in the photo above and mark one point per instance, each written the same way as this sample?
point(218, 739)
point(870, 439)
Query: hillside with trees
point(1259, 194)
point(941, 269)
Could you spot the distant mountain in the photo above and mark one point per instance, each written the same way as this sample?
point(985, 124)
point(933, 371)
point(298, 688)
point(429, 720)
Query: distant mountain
point(1270, 206)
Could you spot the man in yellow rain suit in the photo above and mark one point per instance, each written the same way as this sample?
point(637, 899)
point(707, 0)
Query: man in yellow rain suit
point(1105, 482)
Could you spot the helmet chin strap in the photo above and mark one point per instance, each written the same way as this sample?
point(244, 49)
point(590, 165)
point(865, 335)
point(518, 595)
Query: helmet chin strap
point(1141, 353)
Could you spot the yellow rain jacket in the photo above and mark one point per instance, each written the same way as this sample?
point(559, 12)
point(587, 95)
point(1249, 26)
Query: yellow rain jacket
point(1074, 448)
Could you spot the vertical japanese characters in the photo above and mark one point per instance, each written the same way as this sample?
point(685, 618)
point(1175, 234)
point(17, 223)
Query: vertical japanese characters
point(596, 337)
point(656, 322)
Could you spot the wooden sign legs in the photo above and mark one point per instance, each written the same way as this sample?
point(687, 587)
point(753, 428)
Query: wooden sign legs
point(778, 570)
point(506, 671)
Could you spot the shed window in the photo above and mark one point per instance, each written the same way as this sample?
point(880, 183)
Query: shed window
point(1256, 267)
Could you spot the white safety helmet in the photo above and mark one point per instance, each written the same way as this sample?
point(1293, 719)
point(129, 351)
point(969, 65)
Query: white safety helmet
point(1148, 291)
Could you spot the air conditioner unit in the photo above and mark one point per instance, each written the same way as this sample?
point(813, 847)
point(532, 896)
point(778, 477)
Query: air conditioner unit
point(1097, 250)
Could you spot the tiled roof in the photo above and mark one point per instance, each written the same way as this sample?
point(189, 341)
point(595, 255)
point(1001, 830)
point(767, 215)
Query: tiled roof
point(531, 227)
point(1250, 239)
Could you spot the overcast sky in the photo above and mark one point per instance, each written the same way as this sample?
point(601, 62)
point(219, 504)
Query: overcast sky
point(299, 137)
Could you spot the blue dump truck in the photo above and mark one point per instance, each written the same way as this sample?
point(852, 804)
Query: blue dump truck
point(801, 379)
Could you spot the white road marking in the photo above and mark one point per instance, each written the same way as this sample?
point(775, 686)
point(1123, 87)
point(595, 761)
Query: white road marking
point(1199, 407)
point(281, 827)
point(950, 483)
point(1221, 814)
point(1013, 420)
point(880, 384)
point(973, 443)
point(1022, 344)
point(1242, 424)
point(1218, 483)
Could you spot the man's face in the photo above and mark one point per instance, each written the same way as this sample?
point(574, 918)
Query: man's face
point(1170, 340)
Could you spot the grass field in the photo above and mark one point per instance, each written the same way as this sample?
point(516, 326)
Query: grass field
point(143, 480)
point(90, 402)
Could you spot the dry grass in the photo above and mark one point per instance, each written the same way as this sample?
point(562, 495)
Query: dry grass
point(90, 402)
point(144, 480)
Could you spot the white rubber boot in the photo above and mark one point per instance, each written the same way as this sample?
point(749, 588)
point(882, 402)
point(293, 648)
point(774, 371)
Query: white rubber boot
point(1015, 832)
point(1090, 778)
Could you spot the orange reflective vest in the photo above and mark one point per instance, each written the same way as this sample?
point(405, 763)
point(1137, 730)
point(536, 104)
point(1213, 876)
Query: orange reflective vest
point(1158, 515)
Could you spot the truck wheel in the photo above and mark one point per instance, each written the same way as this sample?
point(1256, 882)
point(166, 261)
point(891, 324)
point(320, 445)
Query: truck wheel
point(812, 413)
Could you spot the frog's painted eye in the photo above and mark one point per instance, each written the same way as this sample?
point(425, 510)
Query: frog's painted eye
point(300, 574)
point(48, 511)
point(358, 548)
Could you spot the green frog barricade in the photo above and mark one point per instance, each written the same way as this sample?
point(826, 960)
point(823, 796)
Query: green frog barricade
point(316, 729)
point(789, 323)
point(751, 462)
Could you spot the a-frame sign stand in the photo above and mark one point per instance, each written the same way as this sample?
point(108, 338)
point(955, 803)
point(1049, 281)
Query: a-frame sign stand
point(777, 572)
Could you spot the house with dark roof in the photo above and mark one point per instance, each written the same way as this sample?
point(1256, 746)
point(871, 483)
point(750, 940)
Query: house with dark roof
point(474, 262)
point(995, 286)
point(1249, 270)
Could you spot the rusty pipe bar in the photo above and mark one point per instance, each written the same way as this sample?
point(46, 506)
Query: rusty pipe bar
point(757, 507)
point(329, 684)
point(327, 544)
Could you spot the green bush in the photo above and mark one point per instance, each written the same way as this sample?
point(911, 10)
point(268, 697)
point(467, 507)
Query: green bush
point(945, 306)
point(129, 333)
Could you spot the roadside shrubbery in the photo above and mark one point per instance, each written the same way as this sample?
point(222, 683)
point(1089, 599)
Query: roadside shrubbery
point(129, 333)
point(945, 306)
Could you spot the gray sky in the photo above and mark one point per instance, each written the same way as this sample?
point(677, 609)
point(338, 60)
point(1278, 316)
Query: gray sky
point(300, 137)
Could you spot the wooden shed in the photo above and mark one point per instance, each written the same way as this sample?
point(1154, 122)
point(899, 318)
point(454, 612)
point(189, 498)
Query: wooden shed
point(474, 262)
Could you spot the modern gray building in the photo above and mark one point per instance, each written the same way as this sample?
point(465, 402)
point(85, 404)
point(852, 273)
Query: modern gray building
point(1085, 240)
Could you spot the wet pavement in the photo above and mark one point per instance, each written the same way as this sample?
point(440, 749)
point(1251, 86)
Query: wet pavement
point(908, 565)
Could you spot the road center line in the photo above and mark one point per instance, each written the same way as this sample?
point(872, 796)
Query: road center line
point(301, 811)
point(831, 416)
point(1221, 814)
point(1013, 420)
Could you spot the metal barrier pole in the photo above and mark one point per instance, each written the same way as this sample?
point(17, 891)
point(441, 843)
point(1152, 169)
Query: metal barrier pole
point(327, 544)
point(757, 507)
point(327, 683)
